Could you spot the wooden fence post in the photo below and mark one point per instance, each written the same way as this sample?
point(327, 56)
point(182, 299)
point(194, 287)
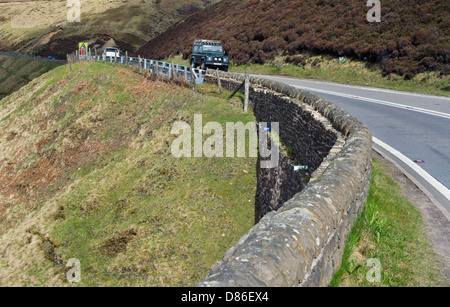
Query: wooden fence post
point(68, 61)
point(173, 71)
point(237, 90)
point(194, 81)
point(219, 83)
point(126, 58)
point(140, 65)
point(247, 91)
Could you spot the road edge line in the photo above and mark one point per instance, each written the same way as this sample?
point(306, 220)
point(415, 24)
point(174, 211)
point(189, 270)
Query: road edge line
point(377, 101)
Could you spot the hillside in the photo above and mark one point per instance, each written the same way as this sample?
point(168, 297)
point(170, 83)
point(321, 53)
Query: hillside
point(87, 172)
point(41, 27)
point(413, 37)
point(15, 72)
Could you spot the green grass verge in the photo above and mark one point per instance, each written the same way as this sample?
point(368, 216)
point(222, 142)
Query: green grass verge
point(392, 230)
point(104, 187)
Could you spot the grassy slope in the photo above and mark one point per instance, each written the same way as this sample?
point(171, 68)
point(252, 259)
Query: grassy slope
point(16, 72)
point(131, 23)
point(27, 20)
point(392, 230)
point(85, 158)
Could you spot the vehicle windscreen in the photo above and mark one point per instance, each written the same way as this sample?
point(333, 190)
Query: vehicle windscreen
point(212, 48)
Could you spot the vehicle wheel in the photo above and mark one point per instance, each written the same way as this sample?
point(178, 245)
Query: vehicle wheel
point(225, 69)
point(203, 66)
point(193, 63)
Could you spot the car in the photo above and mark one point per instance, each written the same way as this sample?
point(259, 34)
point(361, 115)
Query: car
point(51, 58)
point(111, 52)
point(209, 54)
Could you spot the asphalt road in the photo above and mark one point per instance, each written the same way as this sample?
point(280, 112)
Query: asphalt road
point(31, 57)
point(418, 126)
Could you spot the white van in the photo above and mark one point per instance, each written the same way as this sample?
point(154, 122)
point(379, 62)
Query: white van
point(111, 52)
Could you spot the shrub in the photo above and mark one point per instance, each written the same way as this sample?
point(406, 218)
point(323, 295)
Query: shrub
point(257, 30)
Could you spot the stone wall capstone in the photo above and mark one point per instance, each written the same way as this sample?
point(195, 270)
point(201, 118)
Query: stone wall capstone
point(301, 226)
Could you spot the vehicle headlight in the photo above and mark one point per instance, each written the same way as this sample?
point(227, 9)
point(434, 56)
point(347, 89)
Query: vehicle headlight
point(209, 58)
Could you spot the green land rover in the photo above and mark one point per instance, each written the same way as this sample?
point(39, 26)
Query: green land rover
point(209, 54)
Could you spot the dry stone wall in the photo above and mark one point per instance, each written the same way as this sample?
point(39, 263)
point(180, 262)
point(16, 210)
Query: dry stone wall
point(302, 218)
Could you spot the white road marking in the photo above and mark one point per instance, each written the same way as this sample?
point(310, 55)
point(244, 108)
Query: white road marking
point(419, 171)
point(365, 88)
point(377, 101)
